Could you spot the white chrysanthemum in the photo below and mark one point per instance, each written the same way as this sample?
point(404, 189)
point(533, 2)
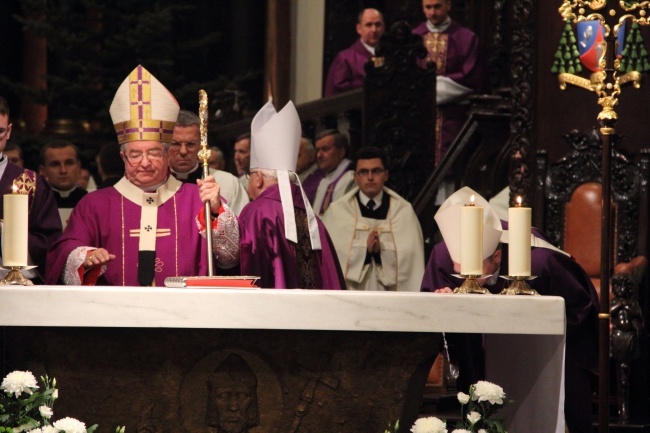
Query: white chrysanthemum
point(463, 398)
point(52, 429)
point(461, 430)
point(46, 411)
point(70, 425)
point(429, 425)
point(36, 430)
point(482, 431)
point(473, 417)
point(18, 382)
point(487, 391)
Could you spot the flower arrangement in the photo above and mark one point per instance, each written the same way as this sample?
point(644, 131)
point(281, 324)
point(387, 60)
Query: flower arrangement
point(483, 401)
point(25, 409)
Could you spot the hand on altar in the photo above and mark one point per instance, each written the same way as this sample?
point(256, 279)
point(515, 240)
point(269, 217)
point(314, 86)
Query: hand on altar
point(97, 257)
point(443, 290)
point(373, 242)
point(209, 191)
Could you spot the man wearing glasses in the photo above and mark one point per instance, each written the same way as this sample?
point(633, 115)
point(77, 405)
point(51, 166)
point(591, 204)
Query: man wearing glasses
point(184, 161)
point(149, 225)
point(44, 225)
point(376, 233)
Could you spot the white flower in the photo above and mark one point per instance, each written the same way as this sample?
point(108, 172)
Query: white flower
point(429, 425)
point(463, 398)
point(482, 431)
point(461, 430)
point(70, 425)
point(55, 394)
point(51, 429)
point(46, 411)
point(487, 391)
point(473, 417)
point(18, 382)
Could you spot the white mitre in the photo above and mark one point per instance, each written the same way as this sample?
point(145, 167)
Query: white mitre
point(448, 219)
point(143, 109)
point(275, 142)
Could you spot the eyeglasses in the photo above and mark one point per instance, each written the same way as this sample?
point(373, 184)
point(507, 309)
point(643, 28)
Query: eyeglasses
point(365, 172)
point(152, 155)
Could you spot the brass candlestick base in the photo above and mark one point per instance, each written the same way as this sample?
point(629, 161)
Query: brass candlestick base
point(519, 286)
point(15, 276)
point(471, 285)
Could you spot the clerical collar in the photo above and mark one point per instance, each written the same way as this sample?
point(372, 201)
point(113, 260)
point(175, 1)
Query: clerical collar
point(185, 175)
point(368, 47)
point(343, 166)
point(378, 199)
point(440, 28)
point(64, 194)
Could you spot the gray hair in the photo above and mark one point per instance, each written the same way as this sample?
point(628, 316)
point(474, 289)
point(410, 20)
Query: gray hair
point(187, 118)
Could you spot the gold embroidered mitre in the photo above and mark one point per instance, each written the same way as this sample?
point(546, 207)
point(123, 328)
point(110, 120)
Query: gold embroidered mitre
point(143, 109)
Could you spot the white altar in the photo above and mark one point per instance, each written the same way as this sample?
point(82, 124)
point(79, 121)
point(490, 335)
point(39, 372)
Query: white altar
point(525, 336)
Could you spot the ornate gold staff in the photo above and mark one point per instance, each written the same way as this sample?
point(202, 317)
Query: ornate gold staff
point(204, 154)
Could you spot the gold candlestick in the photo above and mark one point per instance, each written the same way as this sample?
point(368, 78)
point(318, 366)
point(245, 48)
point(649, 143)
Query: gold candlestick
point(15, 276)
point(519, 286)
point(471, 284)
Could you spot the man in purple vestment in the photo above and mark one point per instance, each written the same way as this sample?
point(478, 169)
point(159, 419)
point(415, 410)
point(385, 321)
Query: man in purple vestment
point(338, 173)
point(282, 241)
point(454, 49)
point(347, 70)
point(44, 224)
point(557, 274)
point(147, 226)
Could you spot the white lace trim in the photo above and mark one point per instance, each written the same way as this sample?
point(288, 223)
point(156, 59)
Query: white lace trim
point(225, 239)
point(73, 263)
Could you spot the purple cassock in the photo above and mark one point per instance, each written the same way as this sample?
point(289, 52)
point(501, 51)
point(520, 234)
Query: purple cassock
point(106, 219)
point(346, 71)
point(456, 54)
point(265, 251)
point(310, 184)
point(557, 275)
point(44, 224)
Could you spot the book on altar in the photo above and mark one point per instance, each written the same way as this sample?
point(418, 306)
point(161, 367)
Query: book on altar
point(236, 282)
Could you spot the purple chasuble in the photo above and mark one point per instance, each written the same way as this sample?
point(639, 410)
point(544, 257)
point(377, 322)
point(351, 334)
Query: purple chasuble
point(347, 70)
point(44, 224)
point(106, 219)
point(265, 251)
point(458, 59)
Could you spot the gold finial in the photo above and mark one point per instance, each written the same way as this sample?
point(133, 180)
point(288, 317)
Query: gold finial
point(204, 153)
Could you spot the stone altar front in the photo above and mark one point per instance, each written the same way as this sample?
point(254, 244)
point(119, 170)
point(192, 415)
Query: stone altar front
point(314, 361)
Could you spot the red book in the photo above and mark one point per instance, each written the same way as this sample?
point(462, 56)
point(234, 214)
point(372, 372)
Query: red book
point(243, 282)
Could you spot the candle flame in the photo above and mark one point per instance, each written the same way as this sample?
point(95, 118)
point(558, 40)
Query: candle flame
point(518, 200)
point(14, 188)
point(471, 199)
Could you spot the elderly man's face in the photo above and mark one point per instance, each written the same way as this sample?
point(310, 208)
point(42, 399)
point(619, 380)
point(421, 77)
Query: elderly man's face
point(184, 148)
point(146, 163)
point(327, 154)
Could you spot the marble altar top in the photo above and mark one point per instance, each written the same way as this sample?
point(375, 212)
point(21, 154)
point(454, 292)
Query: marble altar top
point(160, 307)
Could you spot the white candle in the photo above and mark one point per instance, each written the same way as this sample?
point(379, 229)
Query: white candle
point(14, 236)
point(471, 239)
point(519, 240)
